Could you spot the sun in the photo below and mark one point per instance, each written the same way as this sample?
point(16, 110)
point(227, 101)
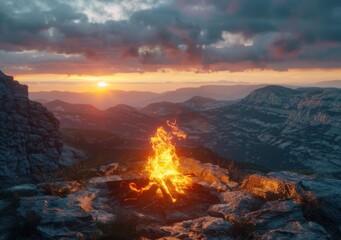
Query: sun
point(102, 84)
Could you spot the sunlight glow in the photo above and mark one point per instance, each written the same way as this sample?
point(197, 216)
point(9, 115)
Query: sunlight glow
point(102, 84)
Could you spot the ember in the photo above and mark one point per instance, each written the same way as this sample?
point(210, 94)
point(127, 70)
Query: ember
point(162, 167)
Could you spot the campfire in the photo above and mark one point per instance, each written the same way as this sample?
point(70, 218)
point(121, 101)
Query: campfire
point(164, 194)
point(162, 167)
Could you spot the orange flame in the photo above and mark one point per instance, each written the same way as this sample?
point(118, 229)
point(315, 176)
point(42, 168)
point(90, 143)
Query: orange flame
point(162, 167)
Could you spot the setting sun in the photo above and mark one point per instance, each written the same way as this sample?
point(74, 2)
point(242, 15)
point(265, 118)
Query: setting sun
point(102, 84)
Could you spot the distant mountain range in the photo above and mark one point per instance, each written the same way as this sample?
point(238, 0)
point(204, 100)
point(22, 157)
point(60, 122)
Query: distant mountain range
point(276, 127)
point(138, 99)
point(123, 120)
point(331, 84)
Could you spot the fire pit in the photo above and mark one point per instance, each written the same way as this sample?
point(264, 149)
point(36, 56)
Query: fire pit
point(154, 205)
point(165, 191)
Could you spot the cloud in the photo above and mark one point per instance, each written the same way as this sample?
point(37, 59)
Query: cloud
point(107, 36)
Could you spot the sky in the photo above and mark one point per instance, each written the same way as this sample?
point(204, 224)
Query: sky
point(159, 45)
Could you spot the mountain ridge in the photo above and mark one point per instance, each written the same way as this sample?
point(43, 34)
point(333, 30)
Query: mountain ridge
point(107, 99)
point(275, 126)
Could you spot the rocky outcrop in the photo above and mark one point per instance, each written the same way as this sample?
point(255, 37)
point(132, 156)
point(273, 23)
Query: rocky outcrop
point(30, 144)
point(320, 197)
point(100, 206)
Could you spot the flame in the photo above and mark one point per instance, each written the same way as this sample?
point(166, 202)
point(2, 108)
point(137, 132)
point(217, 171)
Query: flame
point(162, 167)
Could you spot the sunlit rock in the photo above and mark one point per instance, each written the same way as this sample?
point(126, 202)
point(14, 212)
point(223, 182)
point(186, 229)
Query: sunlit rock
point(269, 188)
point(216, 177)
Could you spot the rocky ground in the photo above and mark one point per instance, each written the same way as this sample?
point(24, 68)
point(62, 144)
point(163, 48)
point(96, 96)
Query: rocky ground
point(279, 205)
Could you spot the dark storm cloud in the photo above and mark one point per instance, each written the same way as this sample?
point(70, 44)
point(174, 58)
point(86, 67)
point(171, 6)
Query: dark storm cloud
point(149, 35)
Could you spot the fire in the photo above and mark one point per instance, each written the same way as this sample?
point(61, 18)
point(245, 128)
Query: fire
point(162, 167)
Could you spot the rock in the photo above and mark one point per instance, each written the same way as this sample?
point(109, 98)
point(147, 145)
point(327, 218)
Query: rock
point(216, 177)
point(101, 182)
point(297, 231)
point(60, 217)
point(102, 216)
point(200, 228)
point(176, 216)
point(284, 220)
point(71, 156)
point(322, 199)
point(234, 205)
point(10, 87)
point(30, 144)
point(111, 169)
point(269, 188)
point(320, 196)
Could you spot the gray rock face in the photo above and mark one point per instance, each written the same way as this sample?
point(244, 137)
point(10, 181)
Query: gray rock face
point(30, 143)
point(284, 220)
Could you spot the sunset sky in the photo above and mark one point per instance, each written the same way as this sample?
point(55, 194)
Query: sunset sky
point(159, 45)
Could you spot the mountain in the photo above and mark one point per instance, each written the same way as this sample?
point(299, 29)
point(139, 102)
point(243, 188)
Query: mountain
point(218, 92)
point(122, 119)
point(330, 84)
point(30, 143)
point(101, 100)
point(194, 104)
point(277, 127)
point(106, 99)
